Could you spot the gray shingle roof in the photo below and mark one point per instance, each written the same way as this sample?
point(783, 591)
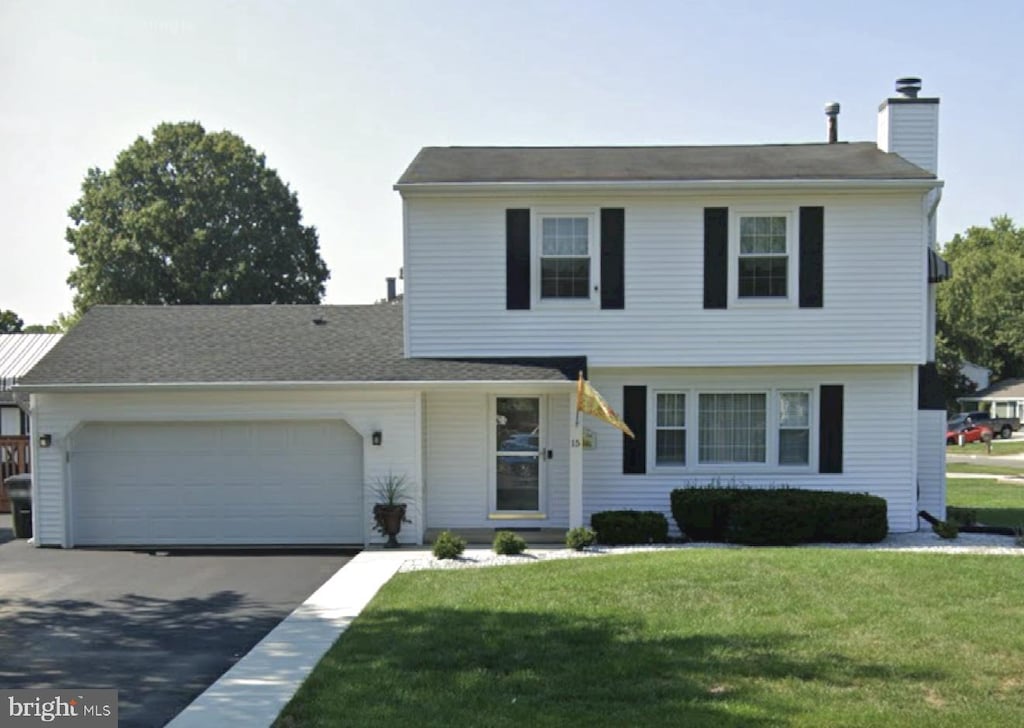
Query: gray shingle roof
point(219, 344)
point(848, 160)
point(1007, 389)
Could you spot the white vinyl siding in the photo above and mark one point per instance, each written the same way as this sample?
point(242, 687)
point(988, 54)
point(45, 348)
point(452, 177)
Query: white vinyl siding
point(871, 463)
point(931, 462)
point(911, 131)
point(875, 291)
point(62, 415)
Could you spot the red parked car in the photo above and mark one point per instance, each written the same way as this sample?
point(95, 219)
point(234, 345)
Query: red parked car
point(970, 432)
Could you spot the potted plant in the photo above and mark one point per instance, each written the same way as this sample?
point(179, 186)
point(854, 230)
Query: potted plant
point(389, 511)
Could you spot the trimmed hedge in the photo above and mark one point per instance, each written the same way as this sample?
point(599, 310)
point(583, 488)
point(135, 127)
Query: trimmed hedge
point(622, 527)
point(779, 516)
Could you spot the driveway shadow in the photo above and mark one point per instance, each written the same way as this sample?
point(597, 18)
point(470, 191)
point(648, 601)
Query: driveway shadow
point(159, 653)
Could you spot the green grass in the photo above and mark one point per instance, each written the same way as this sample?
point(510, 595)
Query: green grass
point(747, 637)
point(999, 447)
point(984, 469)
point(998, 503)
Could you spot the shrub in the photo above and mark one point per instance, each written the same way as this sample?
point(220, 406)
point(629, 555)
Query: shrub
point(946, 529)
point(508, 543)
point(448, 546)
point(782, 516)
point(623, 527)
point(1018, 536)
point(961, 516)
point(579, 538)
point(703, 513)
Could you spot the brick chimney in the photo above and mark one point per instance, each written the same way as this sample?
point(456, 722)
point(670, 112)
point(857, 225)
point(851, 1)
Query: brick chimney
point(908, 125)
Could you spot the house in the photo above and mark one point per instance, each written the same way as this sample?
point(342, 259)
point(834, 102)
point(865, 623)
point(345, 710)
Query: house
point(726, 301)
point(18, 354)
point(1002, 399)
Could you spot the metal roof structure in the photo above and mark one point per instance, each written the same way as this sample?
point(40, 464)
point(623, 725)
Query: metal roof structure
point(20, 352)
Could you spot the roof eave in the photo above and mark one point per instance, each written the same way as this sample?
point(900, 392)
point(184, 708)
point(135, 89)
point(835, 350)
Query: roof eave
point(89, 388)
point(662, 185)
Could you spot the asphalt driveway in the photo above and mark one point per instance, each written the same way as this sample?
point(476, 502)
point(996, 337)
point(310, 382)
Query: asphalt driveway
point(160, 629)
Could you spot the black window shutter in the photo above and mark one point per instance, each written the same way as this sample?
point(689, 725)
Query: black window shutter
point(812, 257)
point(830, 436)
point(929, 388)
point(613, 234)
point(634, 414)
point(716, 257)
point(517, 259)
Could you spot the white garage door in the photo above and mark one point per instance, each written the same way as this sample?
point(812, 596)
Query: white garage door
point(217, 483)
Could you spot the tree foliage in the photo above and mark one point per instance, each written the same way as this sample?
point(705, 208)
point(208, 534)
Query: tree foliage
point(980, 311)
point(10, 322)
point(191, 217)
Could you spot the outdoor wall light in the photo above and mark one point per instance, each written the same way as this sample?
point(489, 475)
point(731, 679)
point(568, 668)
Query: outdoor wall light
point(377, 437)
point(45, 440)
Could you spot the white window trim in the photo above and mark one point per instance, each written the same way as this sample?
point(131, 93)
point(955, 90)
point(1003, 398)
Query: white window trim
point(792, 264)
point(592, 214)
point(492, 467)
point(652, 427)
point(770, 467)
point(812, 427)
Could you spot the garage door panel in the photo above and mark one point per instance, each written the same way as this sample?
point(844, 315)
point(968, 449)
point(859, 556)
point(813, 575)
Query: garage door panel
point(217, 483)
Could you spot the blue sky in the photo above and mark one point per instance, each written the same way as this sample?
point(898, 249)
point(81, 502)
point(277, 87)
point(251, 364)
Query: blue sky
point(340, 96)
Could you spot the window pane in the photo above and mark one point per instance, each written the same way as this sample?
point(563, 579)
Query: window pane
point(762, 277)
point(794, 447)
point(762, 235)
point(732, 428)
point(794, 409)
point(671, 410)
point(518, 483)
point(670, 447)
point(565, 236)
point(565, 277)
point(517, 423)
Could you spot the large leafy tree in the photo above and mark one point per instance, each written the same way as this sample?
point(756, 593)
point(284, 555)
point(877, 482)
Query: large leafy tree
point(10, 322)
point(191, 217)
point(981, 309)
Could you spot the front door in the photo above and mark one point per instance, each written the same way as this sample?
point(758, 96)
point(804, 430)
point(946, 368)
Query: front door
point(518, 455)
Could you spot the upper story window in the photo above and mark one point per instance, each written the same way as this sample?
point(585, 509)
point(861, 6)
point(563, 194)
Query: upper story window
point(565, 248)
point(763, 256)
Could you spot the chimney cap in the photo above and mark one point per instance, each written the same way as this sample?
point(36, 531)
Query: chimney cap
point(908, 86)
point(832, 108)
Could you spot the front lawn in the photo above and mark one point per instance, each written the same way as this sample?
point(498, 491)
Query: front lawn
point(746, 637)
point(997, 502)
point(985, 469)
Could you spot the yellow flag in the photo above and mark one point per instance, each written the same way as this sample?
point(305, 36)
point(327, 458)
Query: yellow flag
point(589, 401)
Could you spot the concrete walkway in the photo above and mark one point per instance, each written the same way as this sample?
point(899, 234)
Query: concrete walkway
point(256, 689)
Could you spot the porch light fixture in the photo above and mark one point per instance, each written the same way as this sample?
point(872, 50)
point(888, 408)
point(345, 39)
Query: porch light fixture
point(377, 437)
point(45, 440)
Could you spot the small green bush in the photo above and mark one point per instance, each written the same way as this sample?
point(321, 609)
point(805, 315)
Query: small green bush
point(778, 516)
point(961, 516)
point(946, 529)
point(508, 543)
point(579, 538)
point(448, 546)
point(625, 527)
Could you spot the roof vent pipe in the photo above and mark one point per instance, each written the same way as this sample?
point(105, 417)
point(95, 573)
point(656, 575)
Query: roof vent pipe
point(908, 87)
point(391, 289)
point(832, 112)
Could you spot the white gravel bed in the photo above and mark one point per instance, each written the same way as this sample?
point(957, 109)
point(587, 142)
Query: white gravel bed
point(918, 542)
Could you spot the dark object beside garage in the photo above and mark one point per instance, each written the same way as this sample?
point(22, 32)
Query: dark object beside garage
point(19, 491)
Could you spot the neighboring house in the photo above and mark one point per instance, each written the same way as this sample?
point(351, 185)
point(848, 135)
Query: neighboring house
point(1002, 399)
point(18, 354)
point(976, 373)
point(753, 312)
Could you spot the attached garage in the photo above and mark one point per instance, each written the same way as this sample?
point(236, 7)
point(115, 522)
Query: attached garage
point(216, 483)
